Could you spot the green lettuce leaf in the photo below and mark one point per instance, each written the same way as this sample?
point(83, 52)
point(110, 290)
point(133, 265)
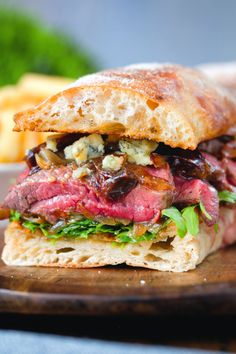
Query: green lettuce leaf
point(175, 215)
point(227, 196)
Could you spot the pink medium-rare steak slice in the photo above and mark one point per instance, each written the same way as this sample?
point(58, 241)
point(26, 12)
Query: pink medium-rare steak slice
point(193, 191)
point(55, 194)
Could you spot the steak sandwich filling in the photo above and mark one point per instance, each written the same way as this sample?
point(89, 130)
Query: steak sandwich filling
point(142, 171)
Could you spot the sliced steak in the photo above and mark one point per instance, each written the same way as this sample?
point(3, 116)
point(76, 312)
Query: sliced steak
point(195, 191)
point(55, 194)
point(218, 147)
point(228, 219)
point(230, 170)
point(222, 172)
point(185, 163)
point(217, 176)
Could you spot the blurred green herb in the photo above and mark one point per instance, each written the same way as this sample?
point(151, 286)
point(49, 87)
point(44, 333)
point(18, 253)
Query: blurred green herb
point(30, 46)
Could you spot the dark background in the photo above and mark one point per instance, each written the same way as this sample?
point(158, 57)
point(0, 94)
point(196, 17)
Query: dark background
point(215, 333)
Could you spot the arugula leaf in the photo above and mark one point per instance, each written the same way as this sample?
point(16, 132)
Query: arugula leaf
point(14, 215)
point(33, 226)
point(30, 225)
point(175, 215)
point(227, 196)
point(84, 228)
point(186, 220)
point(216, 228)
point(191, 219)
point(203, 210)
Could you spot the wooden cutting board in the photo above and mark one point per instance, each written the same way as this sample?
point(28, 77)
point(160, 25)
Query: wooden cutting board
point(210, 289)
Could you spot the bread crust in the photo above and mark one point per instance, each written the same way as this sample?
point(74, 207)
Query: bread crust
point(224, 73)
point(167, 103)
point(24, 248)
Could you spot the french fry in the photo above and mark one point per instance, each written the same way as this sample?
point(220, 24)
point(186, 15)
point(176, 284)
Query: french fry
point(10, 142)
point(41, 86)
point(30, 90)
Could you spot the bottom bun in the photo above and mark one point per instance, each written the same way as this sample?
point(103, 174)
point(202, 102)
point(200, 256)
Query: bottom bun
point(24, 248)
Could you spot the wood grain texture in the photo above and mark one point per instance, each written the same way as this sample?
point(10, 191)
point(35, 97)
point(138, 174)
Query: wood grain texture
point(210, 289)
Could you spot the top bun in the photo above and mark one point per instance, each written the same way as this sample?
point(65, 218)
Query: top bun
point(178, 106)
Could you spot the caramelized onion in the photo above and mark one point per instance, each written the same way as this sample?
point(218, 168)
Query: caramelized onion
point(158, 160)
point(186, 163)
point(139, 229)
point(46, 159)
point(30, 156)
point(114, 185)
point(147, 180)
point(189, 168)
point(51, 157)
point(40, 157)
point(111, 221)
point(45, 165)
point(118, 187)
point(155, 183)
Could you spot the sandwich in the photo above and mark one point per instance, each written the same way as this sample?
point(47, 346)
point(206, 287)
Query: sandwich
point(223, 73)
point(140, 170)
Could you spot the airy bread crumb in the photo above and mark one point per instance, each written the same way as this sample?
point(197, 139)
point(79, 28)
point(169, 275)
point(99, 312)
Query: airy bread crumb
point(174, 254)
point(161, 102)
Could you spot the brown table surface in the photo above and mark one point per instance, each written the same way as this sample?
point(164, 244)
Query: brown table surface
point(213, 330)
